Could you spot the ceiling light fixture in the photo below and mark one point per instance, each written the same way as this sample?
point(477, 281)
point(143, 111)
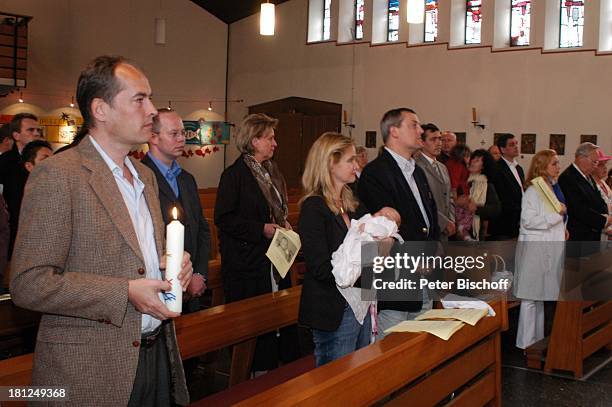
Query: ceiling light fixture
point(266, 19)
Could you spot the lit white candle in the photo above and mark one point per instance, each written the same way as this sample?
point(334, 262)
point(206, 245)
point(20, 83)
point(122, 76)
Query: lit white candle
point(175, 238)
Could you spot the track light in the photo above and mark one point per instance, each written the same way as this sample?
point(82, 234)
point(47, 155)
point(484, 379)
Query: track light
point(210, 106)
point(72, 101)
point(20, 97)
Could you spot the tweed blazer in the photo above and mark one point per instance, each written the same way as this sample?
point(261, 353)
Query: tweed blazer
point(75, 252)
point(441, 189)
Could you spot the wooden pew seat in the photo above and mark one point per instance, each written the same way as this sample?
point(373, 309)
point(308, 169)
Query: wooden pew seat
point(250, 388)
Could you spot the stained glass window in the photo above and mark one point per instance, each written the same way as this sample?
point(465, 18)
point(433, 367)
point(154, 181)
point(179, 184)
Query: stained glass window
point(326, 20)
point(431, 20)
point(520, 22)
point(359, 14)
point(572, 24)
point(393, 21)
point(473, 21)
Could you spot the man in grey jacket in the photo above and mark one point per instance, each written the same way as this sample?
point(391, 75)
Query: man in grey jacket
point(437, 178)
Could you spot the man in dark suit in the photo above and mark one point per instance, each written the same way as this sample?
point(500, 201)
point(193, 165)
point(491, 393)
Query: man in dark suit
point(23, 128)
point(508, 181)
point(395, 181)
point(178, 188)
point(587, 211)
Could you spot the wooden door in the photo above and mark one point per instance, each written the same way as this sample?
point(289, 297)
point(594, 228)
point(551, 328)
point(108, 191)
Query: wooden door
point(288, 152)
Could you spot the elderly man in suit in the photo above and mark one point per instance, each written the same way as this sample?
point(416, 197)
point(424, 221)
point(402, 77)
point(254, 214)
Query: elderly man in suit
point(88, 255)
point(509, 181)
point(587, 211)
point(394, 180)
point(178, 188)
point(437, 178)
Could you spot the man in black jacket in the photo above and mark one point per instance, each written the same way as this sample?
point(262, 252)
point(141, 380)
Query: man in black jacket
point(177, 188)
point(508, 182)
point(395, 181)
point(23, 128)
point(587, 211)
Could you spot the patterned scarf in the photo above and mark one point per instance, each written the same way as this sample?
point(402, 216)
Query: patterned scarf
point(272, 186)
point(478, 194)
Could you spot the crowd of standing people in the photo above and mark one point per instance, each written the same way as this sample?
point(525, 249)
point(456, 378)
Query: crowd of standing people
point(105, 319)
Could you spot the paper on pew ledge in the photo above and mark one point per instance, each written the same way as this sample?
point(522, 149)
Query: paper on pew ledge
point(458, 301)
point(467, 315)
point(283, 250)
point(441, 329)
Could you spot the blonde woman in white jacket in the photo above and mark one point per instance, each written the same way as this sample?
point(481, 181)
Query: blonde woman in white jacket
point(539, 263)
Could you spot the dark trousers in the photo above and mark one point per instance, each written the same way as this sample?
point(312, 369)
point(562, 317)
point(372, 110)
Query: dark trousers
point(152, 382)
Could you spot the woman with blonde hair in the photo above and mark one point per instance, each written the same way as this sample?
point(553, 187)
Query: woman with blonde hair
point(540, 249)
point(326, 210)
point(251, 204)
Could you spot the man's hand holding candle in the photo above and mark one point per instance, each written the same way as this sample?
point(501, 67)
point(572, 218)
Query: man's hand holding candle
point(143, 293)
point(186, 272)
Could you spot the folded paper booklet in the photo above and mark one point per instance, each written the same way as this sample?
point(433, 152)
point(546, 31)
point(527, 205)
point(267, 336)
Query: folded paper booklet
point(469, 316)
point(550, 199)
point(283, 250)
point(441, 329)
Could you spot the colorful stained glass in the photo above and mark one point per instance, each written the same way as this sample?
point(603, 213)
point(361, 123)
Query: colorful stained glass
point(520, 22)
point(431, 20)
point(393, 21)
point(572, 24)
point(359, 16)
point(473, 21)
point(326, 20)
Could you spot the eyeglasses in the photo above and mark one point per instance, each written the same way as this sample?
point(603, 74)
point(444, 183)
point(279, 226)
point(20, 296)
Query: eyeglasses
point(174, 134)
point(177, 134)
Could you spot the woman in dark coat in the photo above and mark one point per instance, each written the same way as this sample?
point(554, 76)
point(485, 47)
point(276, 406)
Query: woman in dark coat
point(326, 211)
point(251, 204)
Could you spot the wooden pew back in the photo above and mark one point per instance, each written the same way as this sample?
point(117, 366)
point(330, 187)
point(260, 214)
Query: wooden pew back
point(421, 370)
point(202, 332)
point(225, 325)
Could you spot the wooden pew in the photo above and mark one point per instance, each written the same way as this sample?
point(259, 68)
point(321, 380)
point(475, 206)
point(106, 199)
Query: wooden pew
point(414, 369)
point(579, 330)
point(215, 282)
point(204, 331)
point(418, 369)
point(208, 196)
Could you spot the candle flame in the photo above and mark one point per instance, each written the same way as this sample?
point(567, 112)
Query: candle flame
point(174, 213)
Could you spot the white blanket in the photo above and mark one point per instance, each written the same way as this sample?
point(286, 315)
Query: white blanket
point(458, 301)
point(346, 261)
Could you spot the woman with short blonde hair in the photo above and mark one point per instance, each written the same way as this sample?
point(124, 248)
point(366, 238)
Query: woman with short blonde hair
point(539, 165)
point(253, 126)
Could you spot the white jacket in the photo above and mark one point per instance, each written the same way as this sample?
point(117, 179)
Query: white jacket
point(540, 251)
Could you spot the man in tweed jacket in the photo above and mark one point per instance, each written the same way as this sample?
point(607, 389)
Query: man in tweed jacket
point(91, 266)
